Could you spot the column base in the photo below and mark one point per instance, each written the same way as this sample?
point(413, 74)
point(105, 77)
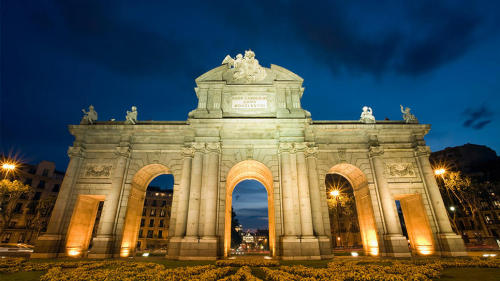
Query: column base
point(102, 247)
point(325, 247)
point(396, 246)
point(303, 248)
point(48, 246)
point(452, 245)
point(194, 248)
point(174, 245)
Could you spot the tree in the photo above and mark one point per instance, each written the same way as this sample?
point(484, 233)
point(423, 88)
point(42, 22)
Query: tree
point(468, 194)
point(10, 194)
point(235, 235)
point(37, 218)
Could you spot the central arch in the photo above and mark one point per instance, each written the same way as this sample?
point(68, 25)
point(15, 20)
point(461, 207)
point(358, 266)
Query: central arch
point(249, 169)
point(135, 205)
point(364, 207)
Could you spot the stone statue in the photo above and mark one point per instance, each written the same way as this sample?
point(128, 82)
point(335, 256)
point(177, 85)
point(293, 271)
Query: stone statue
point(246, 68)
point(131, 117)
point(407, 116)
point(89, 117)
point(367, 115)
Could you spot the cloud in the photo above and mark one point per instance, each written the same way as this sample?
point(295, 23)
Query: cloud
point(411, 39)
point(477, 118)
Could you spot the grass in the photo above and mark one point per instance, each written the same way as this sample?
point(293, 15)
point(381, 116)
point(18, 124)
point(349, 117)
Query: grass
point(466, 274)
point(24, 276)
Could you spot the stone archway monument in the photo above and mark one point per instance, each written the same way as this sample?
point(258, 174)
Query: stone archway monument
point(248, 124)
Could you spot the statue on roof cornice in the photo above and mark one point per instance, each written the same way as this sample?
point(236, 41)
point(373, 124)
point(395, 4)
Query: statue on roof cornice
point(246, 68)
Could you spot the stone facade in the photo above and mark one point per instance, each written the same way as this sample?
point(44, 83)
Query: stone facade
point(249, 124)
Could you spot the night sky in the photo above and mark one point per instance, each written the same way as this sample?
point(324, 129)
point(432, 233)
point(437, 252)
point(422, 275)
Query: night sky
point(441, 58)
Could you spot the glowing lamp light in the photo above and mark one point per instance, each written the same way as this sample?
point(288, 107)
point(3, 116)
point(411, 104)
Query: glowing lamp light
point(124, 252)
point(354, 254)
point(439, 172)
point(425, 250)
point(8, 166)
point(374, 251)
point(335, 193)
point(145, 254)
point(73, 252)
point(338, 238)
point(452, 209)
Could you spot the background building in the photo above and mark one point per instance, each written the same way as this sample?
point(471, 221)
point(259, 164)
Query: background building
point(29, 218)
point(155, 220)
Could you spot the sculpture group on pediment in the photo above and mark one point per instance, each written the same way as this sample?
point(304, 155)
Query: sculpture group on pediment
point(407, 116)
point(367, 115)
point(131, 117)
point(89, 117)
point(246, 68)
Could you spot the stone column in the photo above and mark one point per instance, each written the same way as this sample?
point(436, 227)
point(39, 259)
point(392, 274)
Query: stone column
point(103, 242)
point(315, 194)
point(195, 191)
point(304, 198)
point(450, 243)
point(182, 203)
point(48, 245)
point(288, 216)
point(395, 243)
point(213, 150)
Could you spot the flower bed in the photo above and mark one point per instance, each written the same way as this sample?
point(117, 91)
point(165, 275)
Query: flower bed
point(338, 269)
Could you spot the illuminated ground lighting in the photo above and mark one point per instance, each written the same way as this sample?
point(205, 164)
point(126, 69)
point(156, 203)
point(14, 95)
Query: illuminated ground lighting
point(125, 252)
point(425, 250)
point(268, 258)
point(145, 254)
point(374, 251)
point(489, 255)
point(73, 252)
point(335, 193)
point(354, 254)
point(439, 172)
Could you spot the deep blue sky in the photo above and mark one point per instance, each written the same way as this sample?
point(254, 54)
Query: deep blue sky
point(441, 58)
point(250, 205)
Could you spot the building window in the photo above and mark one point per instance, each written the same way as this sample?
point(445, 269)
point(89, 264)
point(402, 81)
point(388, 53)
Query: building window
point(12, 224)
point(161, 223)
point(37, 196)
point(153, 203)
point(153, 213)
point(162, 213)
point(151, 222)
point(6, 237)
point(488, 219)
point(45, 172)
point(160, 234)
point(144, 212)
point(140, 233)
point(56, 188)
point(164, 203)
point(32, 170)
point(28, 181)
point(41, 184)
point(150, 234)
point(143, 222)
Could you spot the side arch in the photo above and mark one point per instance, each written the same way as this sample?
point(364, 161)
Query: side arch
point(364, 207)
point(249, 169)
point(135, 204)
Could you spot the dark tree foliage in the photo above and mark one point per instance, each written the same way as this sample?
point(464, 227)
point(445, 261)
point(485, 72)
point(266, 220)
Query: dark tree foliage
point(235, 235)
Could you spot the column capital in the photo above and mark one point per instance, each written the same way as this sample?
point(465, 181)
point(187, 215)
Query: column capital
point(198, 146)
point(76, 151)
point(375, 151)
point(300, 146)
point(311, 151)
point(422, 150)
point(188, 152)
point(122, 151)
point(213, 147)
point(286, 147)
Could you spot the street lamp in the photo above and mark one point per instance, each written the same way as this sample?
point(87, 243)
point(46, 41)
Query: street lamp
point(335, 193)
point(452, 208)
point(439, 172)
point(8, 167)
